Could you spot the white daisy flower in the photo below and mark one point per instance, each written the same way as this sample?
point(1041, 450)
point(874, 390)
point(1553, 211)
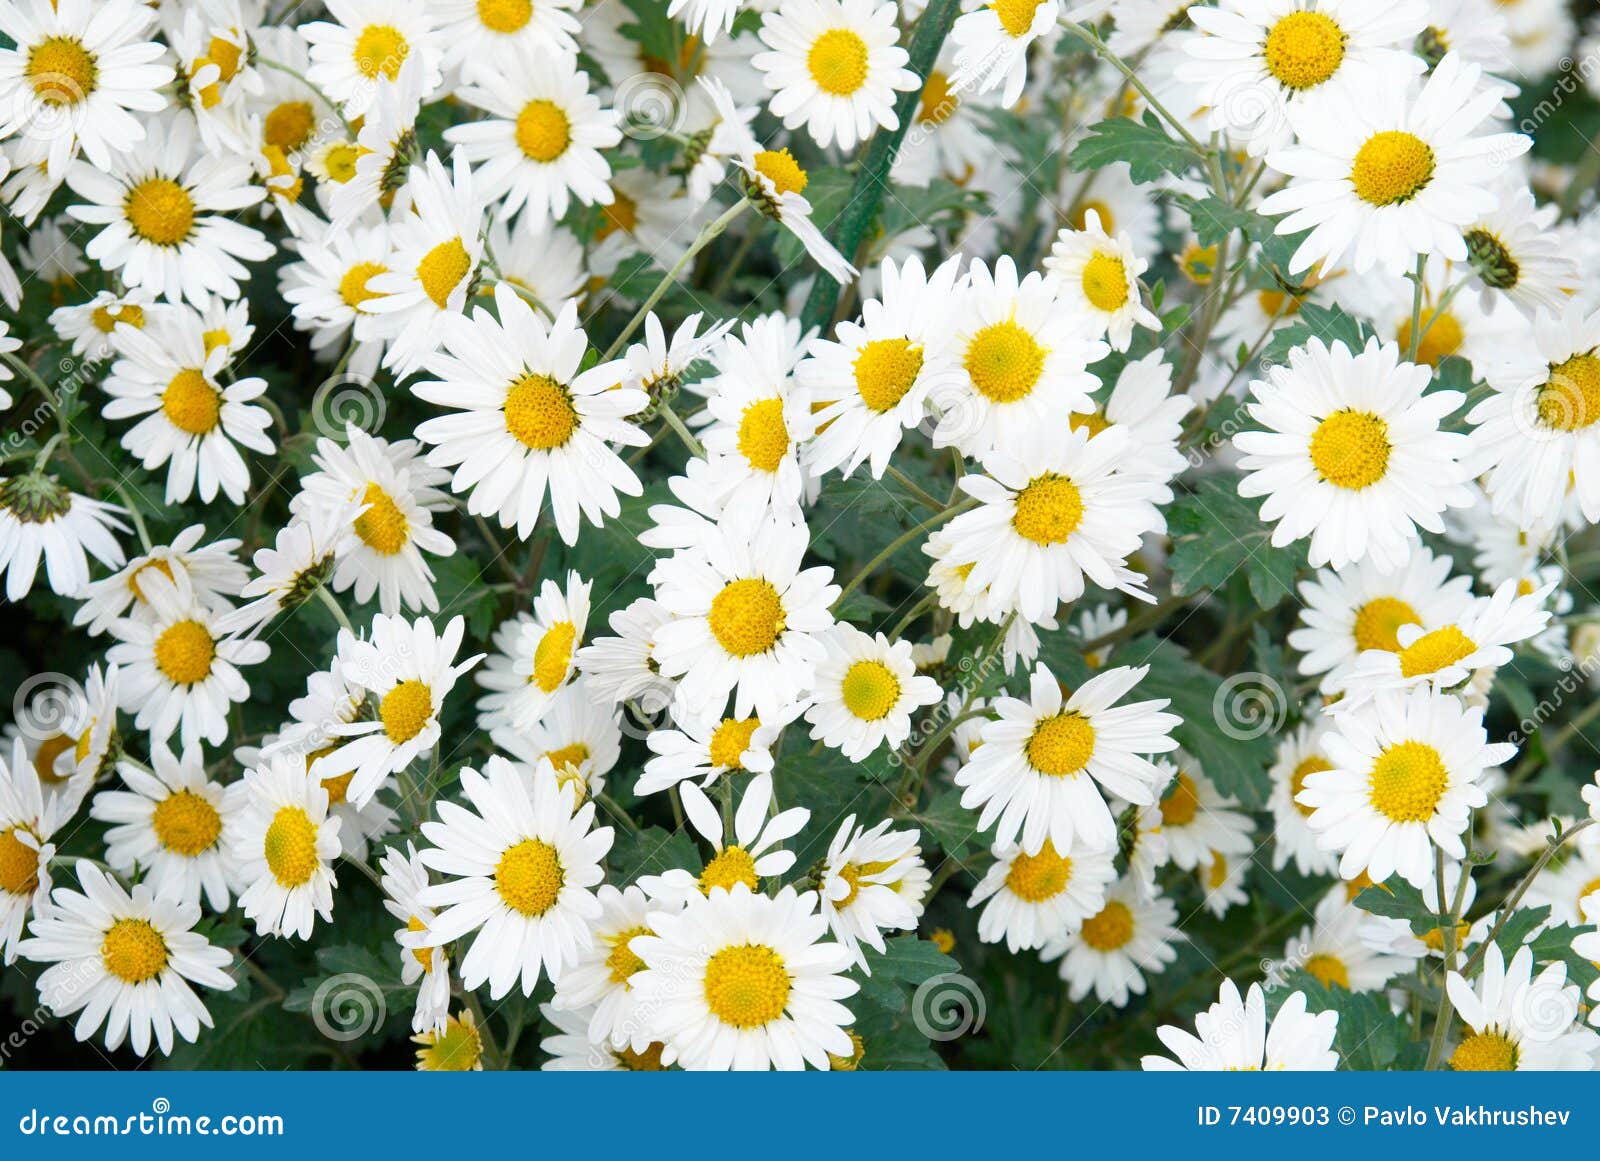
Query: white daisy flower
point(27, 823)
point(90, 326)
point(1198, 821)
point(742, 981)
point(1515, 253)
point(373, 39)
point(949, 137)
point(68, 733)
point(1221, 882)
point(1300, 754)
point(1332, 949)
point(992, 43)
point(213, 570)
point(499, 36)
point(1028, 900)
point(1406, 772)
point(457, 1047)
point(520, 867)
point(549, 266)
point(167, 213)
point(1386, 173)
point(302, 558)
point(285, 843)
point(125, 961)
point(1514, 1021)
point(1234, 1035)
point(427, 968)
point(385, 144)
point(865, 692)
point(705, 18)
point(41, 518)
point(1394, 937)
point(742, 858)
point(172, 823)
point(1042, 764)
point(1113, 950)
point(599, 982)
point(704, 749)
point(1123, 206)
point(407, 670)
point(578, 734)
point(1098, 276)
point(533, 656)
point(572, 1050)
point(530, 419)
point(1141, 400)
point(1353, 456)
point(873, 880)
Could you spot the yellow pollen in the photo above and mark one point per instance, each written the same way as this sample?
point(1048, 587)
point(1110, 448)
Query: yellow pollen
point(939, 101)
point(1329, 971)
point(1110, 929)
point(1441, 336)
point(160, 211)
point(290, 847)
point(730, 740)
point(838, 62)
point(457, 1049)
point(1570, 399)
point(1061, 745)
point(382, 527)
point(61, 70)
point(289, 125)
point(1297, 781)
point(1304, 49)
point(505, 16)
point(747, 986)
point(1487, 1051)
point(539, 412)
point(1180, 807)
point(381, 48)
point(747, 617)
point(1105, 282)
point(353, 286)
point(1393, 166)
point(1379, 621)
point(1048, 510)
point(763, 435)
point(405, 710)
point(730, 866)
point(19, 863)
point(1350, 449)
point(106, 322)
point(1016, 16)
point(885, 370)
point(134, 951)
point(184, 652)
point(44, 758)
point(552, 657)
point(869, 690)
point(543, 131)
point(571, 756)
point(442, 269)
point(1035, 878)
point(782, 170)
point(186, 824)
point(529, 877)
point(622, 962)
point(191, 403)
point(1434, 651)
point(1004, 361)
point(1407, 781)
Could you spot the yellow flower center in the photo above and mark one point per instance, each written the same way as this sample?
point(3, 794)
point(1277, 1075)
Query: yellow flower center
point(1304, 49)
point(442, 269)
point(647, 1061)
point(105, 322)
point(731, 739)
point(622, 214)
point(1061, 745)
point(505, 16)
point(382, 527)
point(1329, 971)
point(747, 617)
point(1441, 336)
point(1110, 929)
point(939, 100)
point(731, 865)
point(1570, 398)
point(288, 126)
point(1276, 302)
point(134, 951)
point(746, 986)
point(1217, 872)
point(381, 48)
point(61, 70)
point(44, 758)
point(1379, 621)
point(566, 757)
point(1004, 361)
point(622, 962)
point(1080, 217)
point(539, 412)
point(1350, 449)
point(338, 787)
point(1198, 263)
point(184, 652)
point(1487, 1051)
point(340, 161)
point(423, 955)
point(160, 211)
point(869, 690)
point(456, 1049)
point(1048, 510)
point(1434, 651)
point(763, 435)
point(1035, 878)
point(885, 370)
point(838, 62)
point(405, 709)
point(1393, 166)
point(353, 286)
point(1016, 16)
point(290, 847)
point(1407, 781)
point(529, 877)
point(19, 862)
point(543, 131)
point(1094, 422)
point(552, 657)
point(191, 403)
point(1297, 781)
point(186, 824)
point(1105, 282)
point(782, 170)
point(1180, 807)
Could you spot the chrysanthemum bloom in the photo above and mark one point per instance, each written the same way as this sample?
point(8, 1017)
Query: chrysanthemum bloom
point(1234, 1035)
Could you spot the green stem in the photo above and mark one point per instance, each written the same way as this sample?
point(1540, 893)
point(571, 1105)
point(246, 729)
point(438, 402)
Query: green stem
point(1556, 843)
point(919, 493)
point(1416, 308)
point(1092, 39)
point(681, 430)
point(121, 490)
point(900, 542)
point(326, 598)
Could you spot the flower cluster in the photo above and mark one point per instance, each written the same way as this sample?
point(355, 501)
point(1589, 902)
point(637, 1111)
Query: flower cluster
point(661, 534)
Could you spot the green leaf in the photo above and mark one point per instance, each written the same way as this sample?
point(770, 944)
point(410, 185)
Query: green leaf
point(1144, 145)
point(1397, 899)
point(1213, 219)
point(650, 851)
point(1554, 945)
point(1523, 923)
point(1369, 1038)
point(1215, 532)
point(1328, 323)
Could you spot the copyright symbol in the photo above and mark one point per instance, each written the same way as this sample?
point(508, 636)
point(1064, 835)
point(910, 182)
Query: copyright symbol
point(1347, 1115)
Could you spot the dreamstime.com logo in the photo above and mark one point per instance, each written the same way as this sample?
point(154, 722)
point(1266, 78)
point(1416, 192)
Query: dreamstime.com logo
point(160, 1121)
